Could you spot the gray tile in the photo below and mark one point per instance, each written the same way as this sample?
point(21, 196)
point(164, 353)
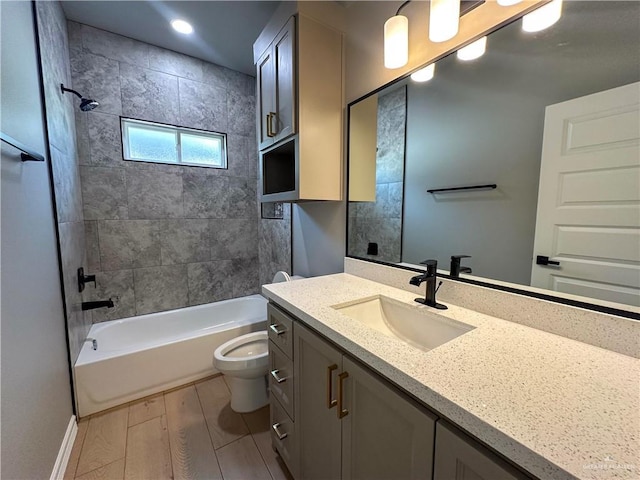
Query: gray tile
point(73, 256)
point(240, 82)
point(126, 244)
point(174, 63)
point(241, 109)
point(105, 140)
point(391, 135)
point(97, 77)
point(115, 47)
point(185, 241)
point(83, 145)
point(274, 247)
point(395, 199)
point(92, 247)
point(241, 152)
point(234, 238)
point(205, 194)
point(215, 75)
point(241, 199)
point(160, 288)
point(74, 31)
point(394, 99)
point(210, 281)
point(153, 193)
point(245, 276)
point(149, 95)
point(66, 182)
point(203, 106)
point(117, 286)
point(104, 193)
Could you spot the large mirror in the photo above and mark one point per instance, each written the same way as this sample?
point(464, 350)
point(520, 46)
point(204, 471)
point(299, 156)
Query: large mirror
point(535, 125)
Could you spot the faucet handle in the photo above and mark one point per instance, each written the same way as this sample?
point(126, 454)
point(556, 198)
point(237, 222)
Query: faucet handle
point(458, 257)
point(429, 263)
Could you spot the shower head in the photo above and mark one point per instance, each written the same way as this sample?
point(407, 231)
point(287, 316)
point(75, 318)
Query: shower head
point(86, 104)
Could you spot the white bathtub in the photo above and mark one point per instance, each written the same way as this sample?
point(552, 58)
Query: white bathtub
point(140, 356)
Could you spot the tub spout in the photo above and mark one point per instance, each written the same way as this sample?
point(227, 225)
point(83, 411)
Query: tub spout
point(98, 304)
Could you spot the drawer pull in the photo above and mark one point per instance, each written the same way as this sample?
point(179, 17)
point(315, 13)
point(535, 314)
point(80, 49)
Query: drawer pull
point(269, 134)
point(341, 412)
point(274, 329)
point(330, 401)
point(278, 378)
point(271, 131)
point(276, 428)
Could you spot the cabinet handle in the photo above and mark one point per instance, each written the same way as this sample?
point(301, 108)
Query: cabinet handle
point(269, 134)
point(276, 428)
point(330, 402)
point(341, 412)
point(274, 329)
point(278, 378)
point(272, 132)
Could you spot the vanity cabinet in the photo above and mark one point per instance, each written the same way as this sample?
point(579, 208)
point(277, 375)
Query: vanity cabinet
point(351, 424)
point(299, 107)
point(459, 456)
point(276, 88)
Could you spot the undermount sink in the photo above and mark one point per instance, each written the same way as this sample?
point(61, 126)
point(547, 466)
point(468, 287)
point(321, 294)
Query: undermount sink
point(414, 325)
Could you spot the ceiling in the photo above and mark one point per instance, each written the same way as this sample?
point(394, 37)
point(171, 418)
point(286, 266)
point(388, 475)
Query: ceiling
point(224, 31)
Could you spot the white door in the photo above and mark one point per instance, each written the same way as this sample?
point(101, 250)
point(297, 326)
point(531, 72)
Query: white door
point(588, 216)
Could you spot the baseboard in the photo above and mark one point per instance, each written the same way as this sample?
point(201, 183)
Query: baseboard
point(65, 450)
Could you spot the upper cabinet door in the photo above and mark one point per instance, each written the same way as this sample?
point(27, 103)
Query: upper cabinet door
point(265, 73)
point(285, 86)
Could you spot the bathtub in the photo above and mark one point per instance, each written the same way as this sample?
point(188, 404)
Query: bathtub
point(143, 355)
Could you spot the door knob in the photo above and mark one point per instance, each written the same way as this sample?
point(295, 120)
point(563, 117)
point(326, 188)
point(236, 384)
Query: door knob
point(542, 260)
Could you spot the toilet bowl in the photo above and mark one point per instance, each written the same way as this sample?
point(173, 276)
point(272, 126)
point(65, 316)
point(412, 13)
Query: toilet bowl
point(244, 360)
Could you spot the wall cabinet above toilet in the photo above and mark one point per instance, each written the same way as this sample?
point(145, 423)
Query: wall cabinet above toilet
point(299, 107)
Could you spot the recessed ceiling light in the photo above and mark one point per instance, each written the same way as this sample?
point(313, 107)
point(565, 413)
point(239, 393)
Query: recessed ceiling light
point(181, 26)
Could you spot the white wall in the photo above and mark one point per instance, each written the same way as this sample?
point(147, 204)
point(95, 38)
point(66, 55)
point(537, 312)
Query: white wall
point(36, 395)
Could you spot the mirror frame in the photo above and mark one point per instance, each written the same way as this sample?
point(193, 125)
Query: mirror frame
point(502, 286)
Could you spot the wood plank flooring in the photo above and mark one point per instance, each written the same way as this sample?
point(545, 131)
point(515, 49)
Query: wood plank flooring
point(189, 432)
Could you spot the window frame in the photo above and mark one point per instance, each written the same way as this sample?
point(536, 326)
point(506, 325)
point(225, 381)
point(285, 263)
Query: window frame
point(177, 131)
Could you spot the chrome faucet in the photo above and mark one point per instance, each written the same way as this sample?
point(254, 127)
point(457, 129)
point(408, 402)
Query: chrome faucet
point(430, 277)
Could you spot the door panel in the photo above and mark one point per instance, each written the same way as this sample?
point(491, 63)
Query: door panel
point(384, 435)
point(284, 53)
point(317, 427)
point(265, 72)
point(588, 215)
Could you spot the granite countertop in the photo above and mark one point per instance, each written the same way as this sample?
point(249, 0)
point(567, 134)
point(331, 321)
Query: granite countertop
point(557, 407)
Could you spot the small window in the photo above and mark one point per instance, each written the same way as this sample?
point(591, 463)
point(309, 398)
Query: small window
point(159, 143)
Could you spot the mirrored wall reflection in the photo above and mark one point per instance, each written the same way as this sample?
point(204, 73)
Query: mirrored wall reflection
point(483, 122)
point(376, 181)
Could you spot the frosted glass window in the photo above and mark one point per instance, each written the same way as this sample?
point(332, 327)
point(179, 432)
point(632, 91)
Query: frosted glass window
point(159, 143)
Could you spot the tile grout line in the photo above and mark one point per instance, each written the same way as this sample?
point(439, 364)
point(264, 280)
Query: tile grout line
point(80, 452)
point(173, 473)
point(102, 466)
point(208, 431)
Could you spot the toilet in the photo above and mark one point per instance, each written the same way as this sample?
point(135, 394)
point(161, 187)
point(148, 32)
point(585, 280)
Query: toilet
point(244, 360)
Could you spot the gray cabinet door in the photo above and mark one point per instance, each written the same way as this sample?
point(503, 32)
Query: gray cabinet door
point(459, 457)
point(265, 78)
point(284, 122)
point(384, 435)
point(316, 368)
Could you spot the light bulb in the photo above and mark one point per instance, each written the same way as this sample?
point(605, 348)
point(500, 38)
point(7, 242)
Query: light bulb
point(508, 3)
point(396, 42)
point(444, 17)
point(424, 74)
point(181, 26)
point(473, 50)
point(543, 17)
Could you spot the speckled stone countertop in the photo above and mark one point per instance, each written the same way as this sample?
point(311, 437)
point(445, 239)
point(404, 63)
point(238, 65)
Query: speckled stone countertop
point(557, 407)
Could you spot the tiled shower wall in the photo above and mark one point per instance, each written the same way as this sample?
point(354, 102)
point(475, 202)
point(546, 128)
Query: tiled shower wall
point(54, 46)
point(163, 236)
point(381, 221)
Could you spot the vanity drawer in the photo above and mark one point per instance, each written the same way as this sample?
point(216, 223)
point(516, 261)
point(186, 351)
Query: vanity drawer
point(280, 328)
point(283, 436)
point(281, 378)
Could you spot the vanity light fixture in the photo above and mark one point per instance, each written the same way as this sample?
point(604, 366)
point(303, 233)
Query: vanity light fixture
point(444, 19)
point(182, 26)
point(396, 40)
point(508, 3)
point(424, 74)
point(543, 17)
point(473, 50)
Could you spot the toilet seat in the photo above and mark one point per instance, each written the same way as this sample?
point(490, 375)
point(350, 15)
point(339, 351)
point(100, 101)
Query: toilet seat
point(244, 353)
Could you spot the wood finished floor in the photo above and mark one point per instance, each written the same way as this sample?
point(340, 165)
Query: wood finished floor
point(189, 432)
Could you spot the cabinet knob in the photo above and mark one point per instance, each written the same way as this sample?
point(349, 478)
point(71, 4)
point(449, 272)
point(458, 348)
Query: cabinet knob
point(280, 435)
point(342, 412)
point(278, 378)
point(271, 130)
point(330, 401)
point(274, 328)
